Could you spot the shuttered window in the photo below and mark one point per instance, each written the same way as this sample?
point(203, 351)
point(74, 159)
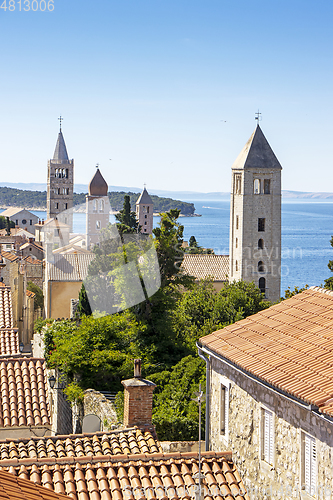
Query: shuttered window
point(309, 468)
point(224, 410)
point(267, 436)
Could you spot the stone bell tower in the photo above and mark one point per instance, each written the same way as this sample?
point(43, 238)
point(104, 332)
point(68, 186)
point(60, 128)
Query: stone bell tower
point(97, 209)
point(60, 182)
point(255, 217)
point(144, 212)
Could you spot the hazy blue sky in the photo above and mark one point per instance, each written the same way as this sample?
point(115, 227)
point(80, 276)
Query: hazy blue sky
point(167, 89)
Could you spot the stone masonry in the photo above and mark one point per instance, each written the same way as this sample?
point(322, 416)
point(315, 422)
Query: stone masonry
point(246, 399)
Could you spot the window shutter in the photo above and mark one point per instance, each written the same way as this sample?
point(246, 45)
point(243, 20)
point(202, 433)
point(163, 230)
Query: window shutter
point(313, 466)
point(307, 462)
point(268, 436)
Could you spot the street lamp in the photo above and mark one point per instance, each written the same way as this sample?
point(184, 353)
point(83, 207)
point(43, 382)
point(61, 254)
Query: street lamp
point(52, 381)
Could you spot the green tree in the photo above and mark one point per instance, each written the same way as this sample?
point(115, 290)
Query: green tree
point(39, 297)
point(194, 248)
point(6, 223)
point(175, 415)
point(127, 222)
point(83, 307)
point(202, 310)
point(98, 353)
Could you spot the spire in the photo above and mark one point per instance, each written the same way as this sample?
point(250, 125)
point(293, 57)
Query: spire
point(98, 185)
point(144, 198)
point(257, 153)
point(60, 152)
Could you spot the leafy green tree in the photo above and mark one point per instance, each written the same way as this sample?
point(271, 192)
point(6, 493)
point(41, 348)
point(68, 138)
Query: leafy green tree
point(194, 248)
point(83, 307)
point(127, 222)
point(175, 415)
point(202, 310)
point(6, 223)
point(290, 293)
point(39, 297)
point(98, 353)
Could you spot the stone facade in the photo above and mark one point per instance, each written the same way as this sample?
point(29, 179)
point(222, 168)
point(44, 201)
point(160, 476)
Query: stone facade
point(255, 217)
point(245, 401)
point(95, 403)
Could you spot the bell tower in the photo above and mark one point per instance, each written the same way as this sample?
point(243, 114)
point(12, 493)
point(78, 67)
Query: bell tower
point(255, 217)
point(60, 181)
point(144, 212)
point(97, 209)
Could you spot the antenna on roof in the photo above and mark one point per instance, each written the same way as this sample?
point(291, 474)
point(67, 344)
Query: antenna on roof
point(258, 117)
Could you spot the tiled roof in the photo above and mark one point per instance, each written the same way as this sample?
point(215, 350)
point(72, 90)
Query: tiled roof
point(289, 346)
point(9, 256)
point(69, 267)
point(32, 260)
point(146, 476)
point(203, 265)
point(127, 442)
point(29, 293)
point(14, 488)
point(23, 392)
point(9, 342)
point(6, 319)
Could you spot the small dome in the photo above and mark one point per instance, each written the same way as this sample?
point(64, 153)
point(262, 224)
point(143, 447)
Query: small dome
point(98, 185)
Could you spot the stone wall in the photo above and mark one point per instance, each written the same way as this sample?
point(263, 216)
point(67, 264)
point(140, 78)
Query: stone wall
point(95, 403)
point(247, 398)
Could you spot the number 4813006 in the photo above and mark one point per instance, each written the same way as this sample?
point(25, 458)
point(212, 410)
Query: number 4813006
point(26, 5)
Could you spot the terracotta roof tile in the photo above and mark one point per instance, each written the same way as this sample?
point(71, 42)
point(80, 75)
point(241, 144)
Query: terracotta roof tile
point(133, 443)
point(289, 345)
point(204, 265)
point(9, 256)
point(69, 267)
point(18, 488)
point(153, 476)
point(23, 393)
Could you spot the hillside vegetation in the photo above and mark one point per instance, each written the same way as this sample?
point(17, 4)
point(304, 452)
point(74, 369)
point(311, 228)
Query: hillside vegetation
point(11, 197)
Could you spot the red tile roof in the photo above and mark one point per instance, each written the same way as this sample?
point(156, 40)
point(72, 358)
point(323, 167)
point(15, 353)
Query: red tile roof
point(16, 488)
point(204, 265)
point(289, 345)
point(146, 476)
point(6, 319)
point(9, 341)
point(127, 442)
point(32, 260)
point(9, 256)
point(23, 392)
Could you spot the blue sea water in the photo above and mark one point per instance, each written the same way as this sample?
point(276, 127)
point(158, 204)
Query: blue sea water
point(307, 227)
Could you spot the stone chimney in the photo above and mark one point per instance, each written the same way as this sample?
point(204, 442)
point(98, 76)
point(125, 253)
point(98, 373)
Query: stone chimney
point(138, 399)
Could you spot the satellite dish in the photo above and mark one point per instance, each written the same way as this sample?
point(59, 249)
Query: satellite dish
point(91, 423)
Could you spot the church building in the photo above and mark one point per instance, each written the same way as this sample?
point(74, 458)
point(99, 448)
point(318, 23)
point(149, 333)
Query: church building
point(144, 212)
point(60, 182)
point(255, 217)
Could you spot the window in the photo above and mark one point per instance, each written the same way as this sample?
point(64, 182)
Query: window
point(147, 210)
point(236, 243)
point(24, 221)
point(57, 205)
point(101, 206)
point(267, 186)
point(262, 285)
point(267, 436)
point(224, 408)
point(58, 191)
point(260, 243)
point(65, 206)
point(261, 225)
point(16, 222)
point(261, 267)
point(309, 464)
point(30, 222)
point(144, 230)
point(238, 183)
point(98, 224)
point(57, 232)
point(237, 221)
point(146, 216)
point(236, 265)
point(256, 186)
point(95, 206)
point(145, 223)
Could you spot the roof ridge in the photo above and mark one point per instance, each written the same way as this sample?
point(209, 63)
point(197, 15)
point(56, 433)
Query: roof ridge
point(320, 290)
point(134, 459)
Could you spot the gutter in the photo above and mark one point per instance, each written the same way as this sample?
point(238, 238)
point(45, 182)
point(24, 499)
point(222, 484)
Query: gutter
point(207, 419)
point(310, 407)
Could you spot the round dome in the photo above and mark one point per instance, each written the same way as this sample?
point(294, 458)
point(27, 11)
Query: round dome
point(98, 185)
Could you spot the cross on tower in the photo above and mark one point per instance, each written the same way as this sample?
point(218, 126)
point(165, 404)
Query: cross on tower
point(97, 165)
point(258, 117)
point(60, 119)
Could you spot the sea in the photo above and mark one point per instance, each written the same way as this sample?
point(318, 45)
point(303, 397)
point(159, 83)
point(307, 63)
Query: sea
point(307, 228)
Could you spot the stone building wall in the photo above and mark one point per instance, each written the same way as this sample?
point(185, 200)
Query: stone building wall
point(247, 398)
point(95, 403)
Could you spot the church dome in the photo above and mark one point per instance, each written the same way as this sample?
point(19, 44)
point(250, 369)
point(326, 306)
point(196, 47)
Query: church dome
point(98, 185)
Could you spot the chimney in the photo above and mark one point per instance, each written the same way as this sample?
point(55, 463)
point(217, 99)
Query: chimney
point(138, 399)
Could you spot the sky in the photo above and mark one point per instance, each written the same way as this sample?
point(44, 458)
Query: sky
point(164, 92)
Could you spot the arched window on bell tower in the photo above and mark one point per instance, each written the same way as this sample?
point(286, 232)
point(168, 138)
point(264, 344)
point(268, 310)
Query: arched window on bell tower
point(260, 244)
point(261, 267)
point(262, 285)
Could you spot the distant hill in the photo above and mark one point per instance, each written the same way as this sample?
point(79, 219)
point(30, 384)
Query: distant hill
point(12, 197)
